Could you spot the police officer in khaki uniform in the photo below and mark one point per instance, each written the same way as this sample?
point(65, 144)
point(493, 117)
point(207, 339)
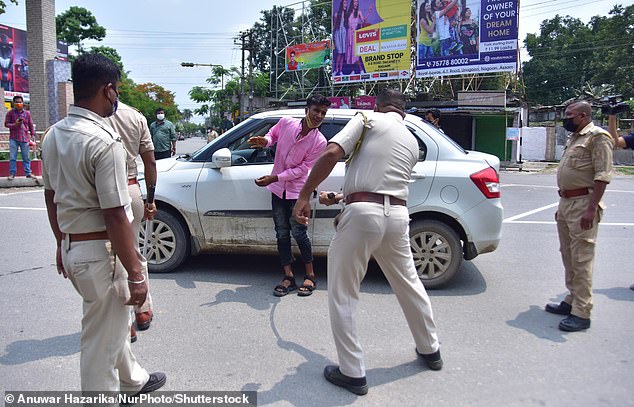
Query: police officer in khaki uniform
point(132, 126)
point(87, 202)
point(584, 172)
point(374, 222)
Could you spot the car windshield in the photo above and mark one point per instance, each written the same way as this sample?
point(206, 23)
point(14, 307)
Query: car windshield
point(198, 154)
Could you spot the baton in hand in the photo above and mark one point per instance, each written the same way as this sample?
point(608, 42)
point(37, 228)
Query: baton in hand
point(148, 222)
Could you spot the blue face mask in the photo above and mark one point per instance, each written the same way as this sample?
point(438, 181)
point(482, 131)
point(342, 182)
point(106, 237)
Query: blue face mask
point(115, 104)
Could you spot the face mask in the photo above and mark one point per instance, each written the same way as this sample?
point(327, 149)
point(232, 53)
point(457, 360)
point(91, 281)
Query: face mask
point(160, 116)
point(311, 124)
point(19, 106)
point(115, 104)
point(569, 124)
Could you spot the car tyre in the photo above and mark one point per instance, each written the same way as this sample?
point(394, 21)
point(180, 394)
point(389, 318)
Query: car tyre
point(437, 252)
point(169, 244)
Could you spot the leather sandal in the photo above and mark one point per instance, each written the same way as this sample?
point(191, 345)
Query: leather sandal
point(280, 290)
point(306, 290)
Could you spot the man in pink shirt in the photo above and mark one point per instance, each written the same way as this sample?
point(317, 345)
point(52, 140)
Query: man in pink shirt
point(299, 144)
point(21, 131)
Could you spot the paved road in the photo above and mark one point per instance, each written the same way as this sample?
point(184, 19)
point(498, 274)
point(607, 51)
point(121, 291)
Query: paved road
point(218, 327)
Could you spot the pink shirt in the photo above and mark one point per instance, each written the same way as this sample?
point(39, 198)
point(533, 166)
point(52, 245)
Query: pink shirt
point(293, 158)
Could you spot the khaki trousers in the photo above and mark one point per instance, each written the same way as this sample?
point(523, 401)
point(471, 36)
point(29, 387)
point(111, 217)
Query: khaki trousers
point(577, 252)
point(138, 209)
point(106, 362)
point(364, 230)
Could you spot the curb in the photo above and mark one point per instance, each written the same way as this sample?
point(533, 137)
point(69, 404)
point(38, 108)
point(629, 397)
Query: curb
point(18, 182)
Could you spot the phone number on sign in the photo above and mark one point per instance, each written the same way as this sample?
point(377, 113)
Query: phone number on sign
point(446, 62)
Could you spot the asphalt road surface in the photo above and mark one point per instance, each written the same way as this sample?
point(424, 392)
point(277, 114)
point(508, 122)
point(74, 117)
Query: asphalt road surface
point(218, 327)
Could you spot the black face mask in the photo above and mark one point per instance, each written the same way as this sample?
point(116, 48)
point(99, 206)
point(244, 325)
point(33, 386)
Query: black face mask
point(570, 125)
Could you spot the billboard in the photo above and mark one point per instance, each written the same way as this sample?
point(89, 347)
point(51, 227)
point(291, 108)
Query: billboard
point(307, 56)
point(456, 37)
point(364, 102)
point(371, 40)
point(339, 102)
point(14, 64)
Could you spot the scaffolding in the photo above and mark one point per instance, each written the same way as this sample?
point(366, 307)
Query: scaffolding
point(302, 83)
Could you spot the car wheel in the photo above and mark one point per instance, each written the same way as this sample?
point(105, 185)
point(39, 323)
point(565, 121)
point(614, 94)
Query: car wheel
point(168, 243)
point(437, 252)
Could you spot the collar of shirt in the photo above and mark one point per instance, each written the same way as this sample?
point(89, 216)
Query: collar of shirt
point(588, 128)
point(88, 114)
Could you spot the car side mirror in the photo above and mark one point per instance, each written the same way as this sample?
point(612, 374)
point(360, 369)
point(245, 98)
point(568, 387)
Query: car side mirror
point(221, 158)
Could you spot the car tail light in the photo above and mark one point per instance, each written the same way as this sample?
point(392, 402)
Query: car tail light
point(488, 182)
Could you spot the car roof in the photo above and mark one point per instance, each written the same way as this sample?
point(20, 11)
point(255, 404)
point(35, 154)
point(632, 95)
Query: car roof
point(332, 113)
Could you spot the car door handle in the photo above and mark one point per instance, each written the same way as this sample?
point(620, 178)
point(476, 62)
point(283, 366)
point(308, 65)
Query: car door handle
point(416, 175)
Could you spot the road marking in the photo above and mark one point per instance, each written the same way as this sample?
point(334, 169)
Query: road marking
point(547, 222)
point(525, 214)
point(16, 208)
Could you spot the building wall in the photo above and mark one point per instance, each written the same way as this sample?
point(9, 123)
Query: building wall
point(41, 47)
point(58, 73)
point(491, 136)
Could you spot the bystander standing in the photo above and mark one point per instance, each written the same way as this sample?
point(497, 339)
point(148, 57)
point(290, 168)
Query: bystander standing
point(21, 132)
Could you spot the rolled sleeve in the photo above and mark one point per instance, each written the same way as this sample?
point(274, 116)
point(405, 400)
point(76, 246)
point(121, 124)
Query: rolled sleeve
point(111, 177)
point(146, 143)
point(347, 138)
point(602, 158)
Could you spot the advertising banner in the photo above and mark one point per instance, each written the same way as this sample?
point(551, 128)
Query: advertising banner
point(364, 102)
point(371, 40)
point(307, 56)
point(14, 64)
point(456, 37)
point(339, 102)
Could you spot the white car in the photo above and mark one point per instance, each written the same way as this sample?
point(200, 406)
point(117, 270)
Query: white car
point(208, 201)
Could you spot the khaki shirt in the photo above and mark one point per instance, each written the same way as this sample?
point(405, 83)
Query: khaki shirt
point(386, 156)
point(132, 126)
point(587, 158)
point(84, 163)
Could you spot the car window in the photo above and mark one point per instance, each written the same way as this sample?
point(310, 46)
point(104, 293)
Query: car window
point(329, 129)
point(242, 153)
point(422, 147)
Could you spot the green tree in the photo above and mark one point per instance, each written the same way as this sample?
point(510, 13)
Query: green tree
point(568, 56)
point(77, 24)
point(147, 97)
point(111, 53)
point(187, 114)
point(613, 60)
point(218, 103)
point(3, 5)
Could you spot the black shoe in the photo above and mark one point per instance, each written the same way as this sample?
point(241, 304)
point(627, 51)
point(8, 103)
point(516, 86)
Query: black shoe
point(156, 381)
point(433, 360)
point(357, 385)
point(563, 308)
point(573, 324)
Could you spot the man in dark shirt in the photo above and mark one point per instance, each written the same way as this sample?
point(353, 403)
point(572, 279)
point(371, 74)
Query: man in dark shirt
point(626, 141)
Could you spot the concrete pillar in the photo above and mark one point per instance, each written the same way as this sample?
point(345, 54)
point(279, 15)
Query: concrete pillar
point(41, 47)
point(64, 98)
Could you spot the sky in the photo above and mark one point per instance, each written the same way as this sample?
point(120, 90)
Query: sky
point(154, 37)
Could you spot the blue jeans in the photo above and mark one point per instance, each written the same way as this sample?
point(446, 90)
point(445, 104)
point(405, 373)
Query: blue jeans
point(425, 52)
point(285, 225)
point(444, 47)
point(13, 156)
